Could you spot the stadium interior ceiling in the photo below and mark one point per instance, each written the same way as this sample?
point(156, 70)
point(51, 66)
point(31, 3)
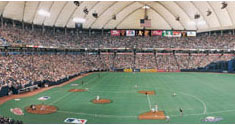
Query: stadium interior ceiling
point(201, 16)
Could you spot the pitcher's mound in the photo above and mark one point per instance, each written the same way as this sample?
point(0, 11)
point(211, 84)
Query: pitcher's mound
point(77, 90)
point(147, 92)
point(41, 109)
point(101, 101)
point(152, 115)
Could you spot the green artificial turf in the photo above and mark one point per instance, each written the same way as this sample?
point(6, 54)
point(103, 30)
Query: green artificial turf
point(199, 94)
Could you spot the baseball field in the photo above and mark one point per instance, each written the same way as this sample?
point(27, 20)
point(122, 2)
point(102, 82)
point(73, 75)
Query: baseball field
point(200, 95)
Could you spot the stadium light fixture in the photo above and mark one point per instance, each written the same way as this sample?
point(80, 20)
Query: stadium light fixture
point(79, 20)
point(95, 15)
point(196, 16)
point(43, 12)
point(77, 3)
point(224, 5)
point(208, 13)
point(85, 10)
point(177, 18)
point(146, 7)
point(114, 17)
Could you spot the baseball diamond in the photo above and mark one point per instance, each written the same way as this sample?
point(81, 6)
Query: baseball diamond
point(213, 99)
point(117, 62)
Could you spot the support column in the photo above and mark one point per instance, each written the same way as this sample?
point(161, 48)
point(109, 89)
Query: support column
point(1, 21)
point(54, 29)
point(65, 30)
point(103, 31)
point(32, 27)
point(90, 31)
point(43, 29)
point(23, 25)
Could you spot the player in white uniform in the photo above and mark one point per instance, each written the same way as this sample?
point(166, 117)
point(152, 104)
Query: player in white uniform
point(97, 97)
point(136, 86)
point(167, 118)
point(153, 110)
point(156, 108)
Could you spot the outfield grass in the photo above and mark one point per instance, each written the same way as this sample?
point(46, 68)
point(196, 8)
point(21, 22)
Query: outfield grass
point(199, 94)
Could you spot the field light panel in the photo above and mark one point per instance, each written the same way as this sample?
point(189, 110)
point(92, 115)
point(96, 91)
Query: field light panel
point(201, 22)
point(190, 23)
point(79, 20)
point(196, 22)
point(43, 12)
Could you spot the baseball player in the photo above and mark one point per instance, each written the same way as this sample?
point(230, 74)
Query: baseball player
point(82, 82)
point(97, 97)
point(156, 108)
point(136, 86)
point(181, 111)
point(167, 118)
point(153, 110)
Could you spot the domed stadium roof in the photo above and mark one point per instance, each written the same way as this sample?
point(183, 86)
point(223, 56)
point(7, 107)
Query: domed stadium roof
point(128, 14)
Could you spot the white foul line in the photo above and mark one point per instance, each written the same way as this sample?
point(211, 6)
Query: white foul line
point(149, 102)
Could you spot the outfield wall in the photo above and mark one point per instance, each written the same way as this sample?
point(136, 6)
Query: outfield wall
point(145, 70)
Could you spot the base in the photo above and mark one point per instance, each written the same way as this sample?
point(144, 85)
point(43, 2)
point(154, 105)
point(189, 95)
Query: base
point(101, 101)
point(147, 92)
point(41, 109)
point(159, 115)
point(77, 90)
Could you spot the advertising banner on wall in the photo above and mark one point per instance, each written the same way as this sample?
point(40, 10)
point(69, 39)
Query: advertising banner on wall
point(115, 32)
point(156, 33)
point(148, 70)
point(176, 34)
point(127, 70)
point(130, 32)
point(167, 33)
point(192, 33)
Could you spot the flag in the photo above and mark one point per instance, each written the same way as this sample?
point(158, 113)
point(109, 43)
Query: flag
point(184, 34)
point(145, 23)
point(123, 32)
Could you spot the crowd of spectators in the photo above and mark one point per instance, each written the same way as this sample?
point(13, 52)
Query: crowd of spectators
point(15, 35)
point(163, 61)
point(20, 70)
point(6, 120)
point(145, 61)
point(124, 61)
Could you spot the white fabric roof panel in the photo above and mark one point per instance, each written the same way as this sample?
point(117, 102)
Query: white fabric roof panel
point(162, 13)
